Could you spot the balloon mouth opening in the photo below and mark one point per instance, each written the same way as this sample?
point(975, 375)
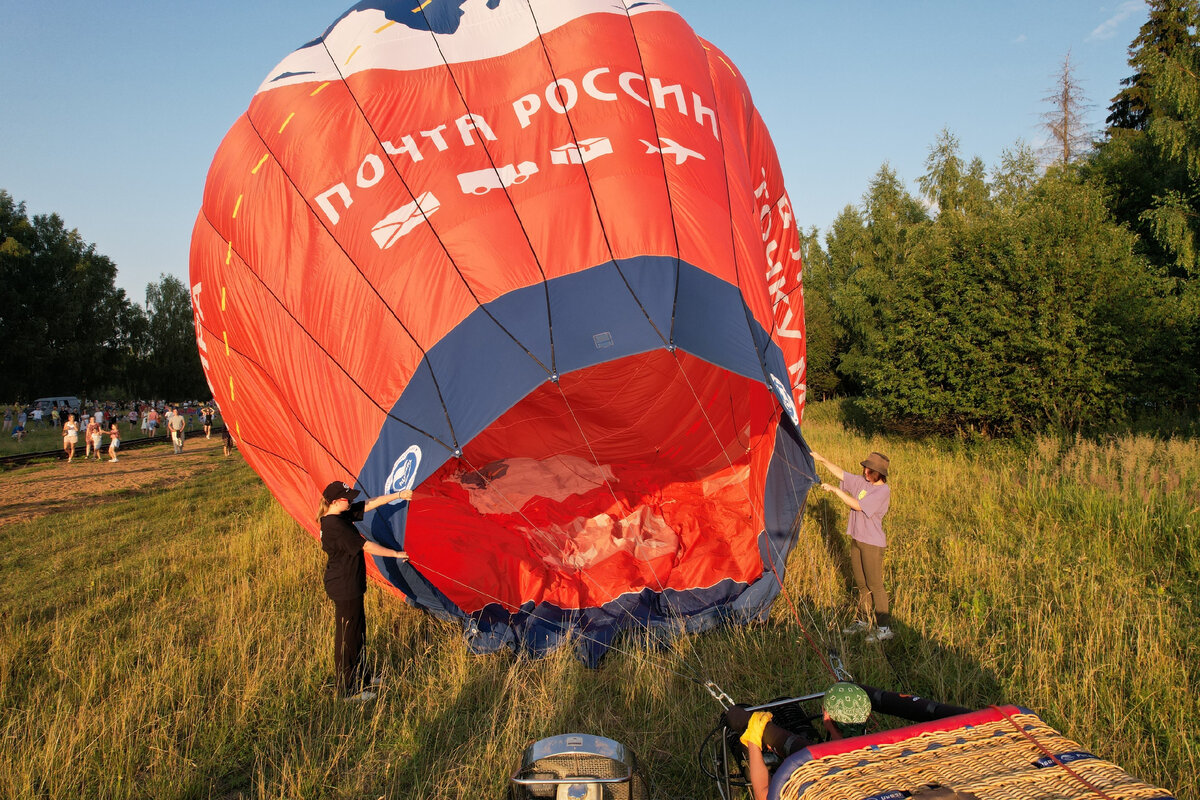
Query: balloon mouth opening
point(638, 474)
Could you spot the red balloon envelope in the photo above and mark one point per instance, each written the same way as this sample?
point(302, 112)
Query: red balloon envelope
point(534, 260)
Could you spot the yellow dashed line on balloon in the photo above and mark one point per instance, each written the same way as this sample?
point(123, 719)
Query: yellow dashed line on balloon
point(286, 121)
point(237, 205)
point(222, 298)
point(420, 7)
point(313, 93)
point(385, 26)
point(723, 61)
point(261, 161)
point(229, 253)
point(231, 388)
point(225, 336)
point(237, 426)
point(353, 53)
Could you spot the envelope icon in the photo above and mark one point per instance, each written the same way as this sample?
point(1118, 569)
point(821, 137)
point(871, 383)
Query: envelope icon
point(403, 220)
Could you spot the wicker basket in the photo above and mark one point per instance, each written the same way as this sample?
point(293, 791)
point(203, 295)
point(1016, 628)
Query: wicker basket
point(997, 754)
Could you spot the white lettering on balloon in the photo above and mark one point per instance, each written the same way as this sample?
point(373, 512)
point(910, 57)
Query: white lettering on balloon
point(775, 219)
point(562, 95)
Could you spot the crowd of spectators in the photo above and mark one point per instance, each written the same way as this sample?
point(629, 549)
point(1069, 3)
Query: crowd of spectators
point(107, 419)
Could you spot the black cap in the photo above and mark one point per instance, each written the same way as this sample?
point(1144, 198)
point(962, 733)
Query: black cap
point(338, 490)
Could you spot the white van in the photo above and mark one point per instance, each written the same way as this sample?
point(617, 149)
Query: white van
point(46, 403)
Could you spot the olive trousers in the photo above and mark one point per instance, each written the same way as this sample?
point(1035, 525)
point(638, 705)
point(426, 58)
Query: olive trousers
point(866, 562)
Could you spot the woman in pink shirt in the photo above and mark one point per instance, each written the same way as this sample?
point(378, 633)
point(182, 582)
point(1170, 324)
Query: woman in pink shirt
point(868, 497)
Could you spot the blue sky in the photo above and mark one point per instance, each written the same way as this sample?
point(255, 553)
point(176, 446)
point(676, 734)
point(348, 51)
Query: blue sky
point(111, 112)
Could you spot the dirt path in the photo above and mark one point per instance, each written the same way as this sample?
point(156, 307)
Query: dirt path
point(41, 489)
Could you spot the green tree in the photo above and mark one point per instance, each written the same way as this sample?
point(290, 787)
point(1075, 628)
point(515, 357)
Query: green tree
point(824, 336)
point(1014, 321)
point(866, 250)
point(174, 361)
point(1150, 166)
point(59, 308)
point(1166, 29)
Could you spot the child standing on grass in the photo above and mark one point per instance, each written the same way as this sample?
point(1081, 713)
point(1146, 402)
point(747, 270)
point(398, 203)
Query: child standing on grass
point(346, 581)
point(114, 441)
point(95, 436)
point(868, 497)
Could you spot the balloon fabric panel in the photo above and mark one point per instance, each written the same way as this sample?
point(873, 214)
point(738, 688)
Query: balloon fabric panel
point(535, 261)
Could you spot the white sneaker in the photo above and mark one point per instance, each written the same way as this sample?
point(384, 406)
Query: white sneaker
point(882, 634)
point(361, 697)
point(858, 626)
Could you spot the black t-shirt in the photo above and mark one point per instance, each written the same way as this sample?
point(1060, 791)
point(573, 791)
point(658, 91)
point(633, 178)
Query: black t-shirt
point(346, 572)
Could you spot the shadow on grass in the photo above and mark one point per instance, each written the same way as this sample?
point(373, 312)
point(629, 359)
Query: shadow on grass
point(825, 512)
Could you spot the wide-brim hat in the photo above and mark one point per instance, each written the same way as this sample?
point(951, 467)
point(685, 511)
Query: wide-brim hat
point(877, 462)
point(338, 491)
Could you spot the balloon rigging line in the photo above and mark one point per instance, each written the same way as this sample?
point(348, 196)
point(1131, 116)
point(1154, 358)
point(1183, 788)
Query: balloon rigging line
point(546, 536)
point(696, 679)
point(661, 588)
point(267, 375)
point(794, 533)
point(562, 553)
point(600, 221)
point(592, 191)
point(713, 428)
point(432, 229)
point(663, 162)
point(371, 286)
point(336, 362)
point(545, 282)
point(524, 232)
point(749, 320)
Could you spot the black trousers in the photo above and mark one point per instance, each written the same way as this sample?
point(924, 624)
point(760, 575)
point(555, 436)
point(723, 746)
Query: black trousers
point(350, 632)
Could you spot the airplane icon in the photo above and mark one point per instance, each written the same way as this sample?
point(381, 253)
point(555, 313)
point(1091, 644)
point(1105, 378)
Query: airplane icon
point(403, 220)
point(672, 148)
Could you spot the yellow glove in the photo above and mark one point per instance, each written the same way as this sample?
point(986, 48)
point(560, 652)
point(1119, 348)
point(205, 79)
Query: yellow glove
point(754, 729)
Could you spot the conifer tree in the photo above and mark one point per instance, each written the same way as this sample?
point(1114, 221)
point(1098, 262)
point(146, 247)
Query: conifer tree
point(1166, 29)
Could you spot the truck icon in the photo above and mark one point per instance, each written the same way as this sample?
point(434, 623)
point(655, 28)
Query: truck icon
point(403, 220)
point(484, 180)
point(581, 152)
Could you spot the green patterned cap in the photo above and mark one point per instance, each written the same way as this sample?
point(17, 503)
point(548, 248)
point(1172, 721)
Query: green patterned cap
point(847, 703)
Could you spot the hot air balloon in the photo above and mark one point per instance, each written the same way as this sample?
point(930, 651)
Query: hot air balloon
point(534, 260)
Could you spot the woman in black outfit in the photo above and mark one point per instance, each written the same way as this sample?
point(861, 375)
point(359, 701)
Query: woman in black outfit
point(346, 580)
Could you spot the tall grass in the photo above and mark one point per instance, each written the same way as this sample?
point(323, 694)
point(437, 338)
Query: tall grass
point(177, 644)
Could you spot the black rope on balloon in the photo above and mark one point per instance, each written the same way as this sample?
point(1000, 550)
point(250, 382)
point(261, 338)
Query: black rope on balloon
point(271, 453)
point(395, 169)
point(271, 380)
point(604, 231)
point(592, 191)
point(662, 160)
point(553, 369)
point(320, 346)
point(732, 231)
point(582, 573)
point(336, 241)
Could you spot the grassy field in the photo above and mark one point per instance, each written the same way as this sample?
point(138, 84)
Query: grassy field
point(177, 645)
